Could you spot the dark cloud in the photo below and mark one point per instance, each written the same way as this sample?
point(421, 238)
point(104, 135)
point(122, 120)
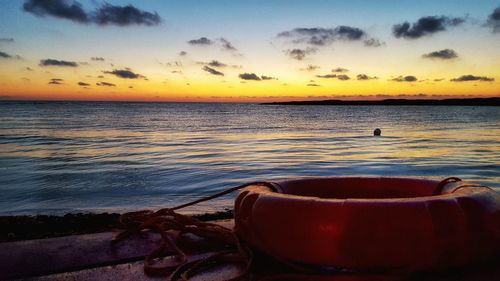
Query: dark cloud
point(343, 77)
point(263, 77)
point(408, 78)
point(424, 26)
point(300, 54)
point(97, 58)
point(29, 68)
point(56, 81)
point(311, 67)
point(5, 55)
point(125, 73)
point(212, 71)
point(327, 76)
point(105, 84)
point(372, 42)
point(182, 53)
point(340, 70)
point(204, 41)
point(54, 62)
point(438, 79)
point(216, 63)
point(83, 84)
point(106, 14)
point(365, 77)
point(494, 20)
point(445, 54)
point(70, 10)
point(255, 77)
point(124, 16)
point(6, 40)
point(222, 42)
point(319, 36)
point(469, 77)
point(226, 45)
point(313, 85)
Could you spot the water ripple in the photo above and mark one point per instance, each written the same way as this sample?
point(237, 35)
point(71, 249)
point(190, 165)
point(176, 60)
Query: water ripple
point(64, 157)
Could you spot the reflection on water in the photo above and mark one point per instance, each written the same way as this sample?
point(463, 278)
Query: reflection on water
point(59, 157)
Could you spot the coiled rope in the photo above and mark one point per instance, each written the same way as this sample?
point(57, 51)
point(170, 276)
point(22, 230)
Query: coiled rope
point(174, 227)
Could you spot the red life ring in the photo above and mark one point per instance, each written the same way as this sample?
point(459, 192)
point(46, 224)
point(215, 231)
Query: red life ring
point(372, 223)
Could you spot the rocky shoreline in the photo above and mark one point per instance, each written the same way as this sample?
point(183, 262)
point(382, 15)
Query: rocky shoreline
point(15, 228)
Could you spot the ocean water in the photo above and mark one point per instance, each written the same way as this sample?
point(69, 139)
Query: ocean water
point(59, 157)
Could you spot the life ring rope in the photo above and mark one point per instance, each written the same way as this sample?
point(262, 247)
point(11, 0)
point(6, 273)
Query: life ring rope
point(444, 182)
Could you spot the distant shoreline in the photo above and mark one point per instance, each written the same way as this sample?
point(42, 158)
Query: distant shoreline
point(421, 102)
point(491, 101)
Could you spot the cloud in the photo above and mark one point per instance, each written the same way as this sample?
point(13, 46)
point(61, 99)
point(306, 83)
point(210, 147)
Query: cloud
point(83, 84)
point(494, 20)
point(124, 16)
point(425, 26)
point(105, 84)
point(54, 62)
point(6, 40)
point(327, 76)
point(70, 10)
point(340, 70)
point(106, 14)
point(5, 55)
point(343, 77)
point(372, 42)
point(444, 54)
point(97, 59)
point(226, 45)
point(249, 76)
point(319, 36)
point(212, 71)
point(408, 78)
point(125, 73)
point(313, 85)
point(365, 77)
point(56, 81)
point(203, 41)
point(222, 42)
point(255, 77)
point(469, 77)
point(300, 54)
point(263, 77)
point(216, 63)
point(311, 67)
point(183, 53)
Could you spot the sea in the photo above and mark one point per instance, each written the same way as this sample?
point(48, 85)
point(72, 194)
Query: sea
point(70, 157)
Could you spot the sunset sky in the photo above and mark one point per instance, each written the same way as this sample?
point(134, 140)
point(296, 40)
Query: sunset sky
point(250, 51)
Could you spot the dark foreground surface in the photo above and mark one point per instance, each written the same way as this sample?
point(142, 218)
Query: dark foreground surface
point(430, 102)
point(93, 257)
point(15, 228)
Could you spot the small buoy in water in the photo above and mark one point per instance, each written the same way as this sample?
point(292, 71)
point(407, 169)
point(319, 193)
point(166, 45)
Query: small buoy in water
point(377, 132)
